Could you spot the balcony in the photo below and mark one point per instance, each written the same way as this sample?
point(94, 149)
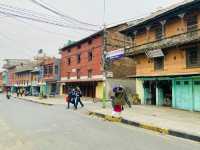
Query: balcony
point(176, 40)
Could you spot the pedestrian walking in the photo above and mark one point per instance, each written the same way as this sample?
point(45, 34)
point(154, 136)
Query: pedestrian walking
point(8, 94)
point(21, 92)
point(78, 98)
point(119, 99)
point(18, 92)
point(71, 98)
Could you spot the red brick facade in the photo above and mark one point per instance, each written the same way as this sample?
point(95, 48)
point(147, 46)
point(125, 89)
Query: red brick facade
point(11, 76)
point(48, 69)
point(85, 50)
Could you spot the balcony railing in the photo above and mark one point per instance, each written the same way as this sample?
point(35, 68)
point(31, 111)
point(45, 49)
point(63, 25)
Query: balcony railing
point(167, 42)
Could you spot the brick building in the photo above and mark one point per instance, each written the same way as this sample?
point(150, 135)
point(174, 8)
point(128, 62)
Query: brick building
point(10, 66)
point(23, 77)
point(1, 81)
point(50, 68)
point(166, 48)
point(85, 63)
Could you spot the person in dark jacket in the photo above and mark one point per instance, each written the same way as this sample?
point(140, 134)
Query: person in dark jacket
point(78, 98)
point(8, 94)
point(18, 92)
point(71, 98)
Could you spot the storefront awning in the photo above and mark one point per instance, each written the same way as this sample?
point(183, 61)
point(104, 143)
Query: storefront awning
point(167, 76)
point(76, 81)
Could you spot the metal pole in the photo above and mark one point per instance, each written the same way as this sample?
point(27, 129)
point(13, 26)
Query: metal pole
point(103, 55)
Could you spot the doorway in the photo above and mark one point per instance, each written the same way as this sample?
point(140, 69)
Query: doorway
point(158, 92)
point(150, 92)
point(166, 89)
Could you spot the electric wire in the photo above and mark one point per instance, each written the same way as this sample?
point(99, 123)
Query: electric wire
point(30, 16)
point(57, 12)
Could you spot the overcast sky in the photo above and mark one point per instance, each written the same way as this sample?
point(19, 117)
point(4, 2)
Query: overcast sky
point(23, 39)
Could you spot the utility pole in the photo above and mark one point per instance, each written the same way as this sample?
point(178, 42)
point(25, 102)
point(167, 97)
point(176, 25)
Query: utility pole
point(104, 49)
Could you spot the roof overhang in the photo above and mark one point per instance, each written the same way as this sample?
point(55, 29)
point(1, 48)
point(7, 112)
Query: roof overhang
point(166, 75)
point(78, 81)
point(173, 10)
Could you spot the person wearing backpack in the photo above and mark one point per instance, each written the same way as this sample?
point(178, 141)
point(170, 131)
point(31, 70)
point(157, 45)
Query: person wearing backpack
point(119, 100)
point(78, 98)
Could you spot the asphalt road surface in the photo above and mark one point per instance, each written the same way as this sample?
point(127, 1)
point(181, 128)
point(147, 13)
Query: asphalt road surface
point(29, 126)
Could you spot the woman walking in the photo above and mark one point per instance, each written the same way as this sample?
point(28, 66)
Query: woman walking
point(78, 98)
point(119, 100)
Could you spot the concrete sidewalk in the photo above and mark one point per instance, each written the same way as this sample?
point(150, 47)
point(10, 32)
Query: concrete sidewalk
point(175, 122)
point(57, 100)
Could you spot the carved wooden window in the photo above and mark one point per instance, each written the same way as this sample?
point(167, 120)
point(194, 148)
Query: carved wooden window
point(158, 32)
point(192, 23)
point(193, 57)
point(159, 63)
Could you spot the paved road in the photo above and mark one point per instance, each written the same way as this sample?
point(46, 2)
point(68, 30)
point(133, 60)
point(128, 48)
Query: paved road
point(29, 126)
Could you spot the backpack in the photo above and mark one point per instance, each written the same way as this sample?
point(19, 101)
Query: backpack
point(119, 99)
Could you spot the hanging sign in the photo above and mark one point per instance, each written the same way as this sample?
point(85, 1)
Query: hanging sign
point(154, 53)
point(116, 54)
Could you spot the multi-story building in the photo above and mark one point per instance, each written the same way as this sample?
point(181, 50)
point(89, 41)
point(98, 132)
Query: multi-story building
point(1, 81)
point(51, 75)
point(36, 80)
point(23, 77)
point(166, 48)
point(10, 66)
point(5, 79)
point(89, 63)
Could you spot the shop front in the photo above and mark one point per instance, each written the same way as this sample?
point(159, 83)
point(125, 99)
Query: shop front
point(157, 91)
point(186, 93)
point(92, 89)
point(177, 92)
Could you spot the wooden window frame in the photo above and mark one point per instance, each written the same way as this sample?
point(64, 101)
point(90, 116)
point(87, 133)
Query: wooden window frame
point(90, 71)
point(79, 58)
point(192, 23)
point(68, 61)
point(193, 63)
point(159, 65)
point(78, 73)
point(90, 55)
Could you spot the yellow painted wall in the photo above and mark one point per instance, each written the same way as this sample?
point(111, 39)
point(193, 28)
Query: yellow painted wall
point(61, 89)
point(174, 62)
point(174, 26)
point(99, 90)
point(140, 38)
point(140, 90)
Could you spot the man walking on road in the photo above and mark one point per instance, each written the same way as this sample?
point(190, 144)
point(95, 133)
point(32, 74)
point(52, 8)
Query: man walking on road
point(71, 98)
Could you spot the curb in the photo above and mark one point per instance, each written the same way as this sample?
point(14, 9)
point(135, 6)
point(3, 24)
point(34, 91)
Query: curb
point(34, 101)
point(147, 126)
